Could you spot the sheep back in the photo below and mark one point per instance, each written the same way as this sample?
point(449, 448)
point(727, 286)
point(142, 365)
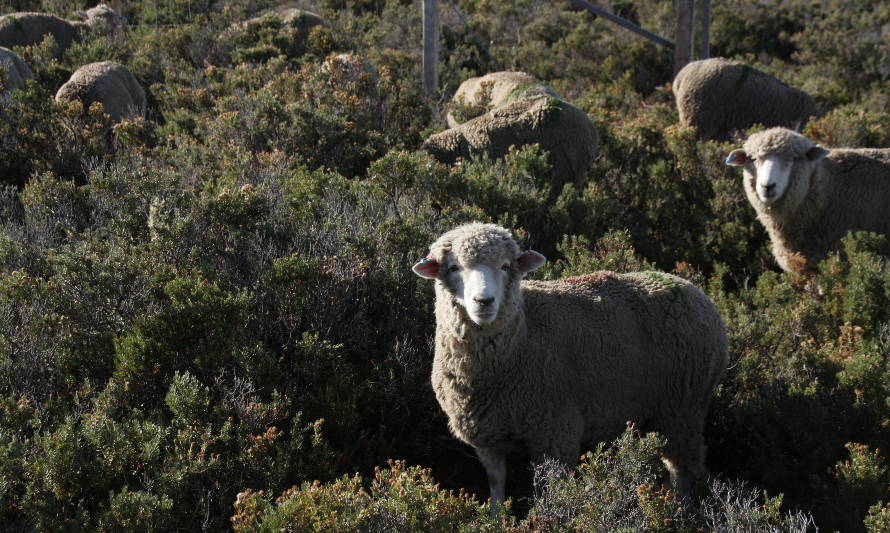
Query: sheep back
point(13, 71)
point(300, 20)
point(561, 129)
point(28, 29)
point(719, 98)
point(296, 19)
point(108, 83)
point(604, 348)
point(102, 19)
point(476, 96)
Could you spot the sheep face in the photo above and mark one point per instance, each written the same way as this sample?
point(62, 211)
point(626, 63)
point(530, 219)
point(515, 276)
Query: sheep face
point(102, 18)
point(477, 269)
point(778, 176)
point(479, 288)
point(771, 178)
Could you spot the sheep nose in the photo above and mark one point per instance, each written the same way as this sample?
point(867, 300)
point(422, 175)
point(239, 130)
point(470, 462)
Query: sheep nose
point(484, 301)
point(769, 186)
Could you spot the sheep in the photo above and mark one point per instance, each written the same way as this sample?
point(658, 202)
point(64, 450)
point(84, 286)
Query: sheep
point(546, 367)
point(561, 129)
point(808, 197)
point(718, 98)
point(297, 19)
point(108, 83)
point(27, 29)
point(479, 95)
point(13, 71)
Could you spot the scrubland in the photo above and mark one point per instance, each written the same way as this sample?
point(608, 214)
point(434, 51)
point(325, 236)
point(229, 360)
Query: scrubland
point(217, 299)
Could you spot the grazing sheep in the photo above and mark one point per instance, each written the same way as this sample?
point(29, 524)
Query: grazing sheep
point(546, 367)
point(108, 83)
point(13, 71)
point(297, 19)
point(27, 29)
point(719, 98)
point(561, 129)
point(808, 197)
point(476, 96)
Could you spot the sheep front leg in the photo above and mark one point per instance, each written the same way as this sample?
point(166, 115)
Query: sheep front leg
point(495, 464)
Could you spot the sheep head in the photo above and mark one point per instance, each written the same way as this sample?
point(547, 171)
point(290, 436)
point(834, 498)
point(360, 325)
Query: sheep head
point(102, 18)
point(775, 161)
point(476, 265)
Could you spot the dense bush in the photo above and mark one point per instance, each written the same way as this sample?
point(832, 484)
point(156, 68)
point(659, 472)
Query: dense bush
point(208, 319)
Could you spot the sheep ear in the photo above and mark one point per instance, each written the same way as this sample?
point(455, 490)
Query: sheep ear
point(817, 152)
point(737, 158)
point(530, 260)
point(427, 267)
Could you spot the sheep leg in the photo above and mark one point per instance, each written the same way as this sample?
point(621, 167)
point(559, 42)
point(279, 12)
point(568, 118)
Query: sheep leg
point(684, 459)
point(495, 464)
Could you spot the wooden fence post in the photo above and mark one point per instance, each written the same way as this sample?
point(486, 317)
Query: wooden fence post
point(430, 47)
point(684, 39)
point(705, 29)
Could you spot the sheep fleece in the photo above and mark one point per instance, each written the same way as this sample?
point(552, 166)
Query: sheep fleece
point(589, 354)
point(848, 189)
point(718, 98)
point(497, 89)
point(109, 83)
point(13, 71)
point(27, 29)
point(561, 129)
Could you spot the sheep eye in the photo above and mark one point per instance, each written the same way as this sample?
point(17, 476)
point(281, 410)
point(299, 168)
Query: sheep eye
point(505, 267)
point(453, 268)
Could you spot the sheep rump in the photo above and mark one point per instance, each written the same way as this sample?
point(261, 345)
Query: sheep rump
point(719, 98)
point(108, 83)
point(561, 129)
point(13, 71)
point(830, 193)
point(568, 363)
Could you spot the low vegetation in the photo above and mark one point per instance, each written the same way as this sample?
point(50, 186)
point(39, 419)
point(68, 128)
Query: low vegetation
point(208, 319)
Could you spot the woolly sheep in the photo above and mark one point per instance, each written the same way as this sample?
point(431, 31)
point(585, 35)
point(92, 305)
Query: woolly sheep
point(27, 29)
point(546, 367)
point(108, 83)
point(561, 129)
point(808, 197)
point(297, 19)
point(13, 71)
point(719, 97)
point(479, 95)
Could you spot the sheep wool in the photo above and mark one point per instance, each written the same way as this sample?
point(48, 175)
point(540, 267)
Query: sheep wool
point(28, 29)
point(720, 98)
point(561, 129)
point(13, 71)
point(476, 96)
point(808, 197)
point(109, 83)
point(297, 19)
point(550, 367)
